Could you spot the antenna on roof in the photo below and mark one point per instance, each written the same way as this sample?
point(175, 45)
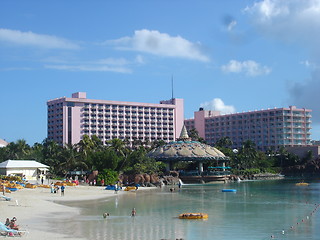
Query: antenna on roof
point(172, 86)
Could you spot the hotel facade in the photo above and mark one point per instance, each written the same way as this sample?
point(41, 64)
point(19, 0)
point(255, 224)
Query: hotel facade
point(69, 119)
point(268, 129)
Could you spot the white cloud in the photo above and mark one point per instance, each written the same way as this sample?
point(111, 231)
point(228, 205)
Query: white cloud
point(15, 69)
point(290, 20)
point(218, 105)
point(310, 65)
point(119, 65)
point(268, 9)
point(231, 25)
point(88, 68)
point(36, 40)
point(140, 59)
point(113, 61)
point(250, 68)
point(161, 44)
point(296, 22)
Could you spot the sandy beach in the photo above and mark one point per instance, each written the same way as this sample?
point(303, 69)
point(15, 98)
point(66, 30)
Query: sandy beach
point(33, 208)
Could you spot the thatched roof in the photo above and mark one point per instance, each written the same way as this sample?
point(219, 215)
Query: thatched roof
point(186, 151)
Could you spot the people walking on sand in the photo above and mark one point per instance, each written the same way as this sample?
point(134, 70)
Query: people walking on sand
point(56, 189)
point(62, 190)
point(133, 212)
point(52, 187)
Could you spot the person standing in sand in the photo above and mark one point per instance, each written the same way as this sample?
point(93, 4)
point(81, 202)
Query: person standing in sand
point(52, 187)
point(62, 190)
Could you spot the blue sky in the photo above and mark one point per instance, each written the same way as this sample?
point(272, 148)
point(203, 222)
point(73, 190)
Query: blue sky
point(231, 56)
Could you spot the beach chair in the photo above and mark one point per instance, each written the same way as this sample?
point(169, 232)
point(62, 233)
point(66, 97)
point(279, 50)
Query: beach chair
point(6, 198)
point(5, 231)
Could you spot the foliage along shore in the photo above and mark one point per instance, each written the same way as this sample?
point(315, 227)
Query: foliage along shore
point(117, 157)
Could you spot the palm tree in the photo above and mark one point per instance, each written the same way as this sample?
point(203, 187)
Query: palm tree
point(247, 154)
point(50, 154)
point(70, 159)
point(85, 146)
point(224, 142)
point(18, 150)
point(37, 152)
point(157, 143)
point(118, 146)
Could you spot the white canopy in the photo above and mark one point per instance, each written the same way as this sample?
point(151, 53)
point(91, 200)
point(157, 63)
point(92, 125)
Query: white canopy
point(22, 164)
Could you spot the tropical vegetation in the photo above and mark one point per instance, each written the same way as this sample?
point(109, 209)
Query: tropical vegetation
point(118, 157)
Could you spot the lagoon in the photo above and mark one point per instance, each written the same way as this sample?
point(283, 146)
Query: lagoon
point(258, 210)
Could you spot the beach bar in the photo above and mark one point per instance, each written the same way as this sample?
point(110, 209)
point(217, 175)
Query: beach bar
point(30, 169)
point(184, 149)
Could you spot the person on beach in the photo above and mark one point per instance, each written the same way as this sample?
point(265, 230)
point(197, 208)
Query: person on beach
point(62, 190)
point(52, 187)
point(7, 222)
point(13, 225)
point(133, 212)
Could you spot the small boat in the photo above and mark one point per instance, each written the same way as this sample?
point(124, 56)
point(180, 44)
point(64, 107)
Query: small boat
point(193, 216)
point(302, 184)
point(228, 190)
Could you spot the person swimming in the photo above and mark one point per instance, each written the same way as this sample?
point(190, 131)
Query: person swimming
point(133, 212)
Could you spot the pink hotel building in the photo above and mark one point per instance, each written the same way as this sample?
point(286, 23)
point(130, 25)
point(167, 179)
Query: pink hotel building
point(71, 118)
point(271, 128)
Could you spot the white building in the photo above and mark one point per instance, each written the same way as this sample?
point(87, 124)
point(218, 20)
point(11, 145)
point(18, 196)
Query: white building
point(3, 143)
point(30, 169)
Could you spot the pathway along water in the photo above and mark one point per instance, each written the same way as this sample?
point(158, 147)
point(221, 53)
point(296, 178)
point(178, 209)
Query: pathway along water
point(258, 210)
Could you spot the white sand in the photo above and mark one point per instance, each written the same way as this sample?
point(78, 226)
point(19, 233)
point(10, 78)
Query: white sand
point(36, 206)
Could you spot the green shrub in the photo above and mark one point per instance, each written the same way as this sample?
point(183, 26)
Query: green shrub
point(109, 176)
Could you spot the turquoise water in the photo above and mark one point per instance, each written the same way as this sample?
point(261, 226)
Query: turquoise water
point(258, 210)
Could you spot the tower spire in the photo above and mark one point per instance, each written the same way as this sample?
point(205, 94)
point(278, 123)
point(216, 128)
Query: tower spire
point(172, 86)
point(184, 134)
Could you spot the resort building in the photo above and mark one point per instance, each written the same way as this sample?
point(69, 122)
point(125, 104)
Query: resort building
point(268, 129)
point(3, 143)
point(69, 119)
